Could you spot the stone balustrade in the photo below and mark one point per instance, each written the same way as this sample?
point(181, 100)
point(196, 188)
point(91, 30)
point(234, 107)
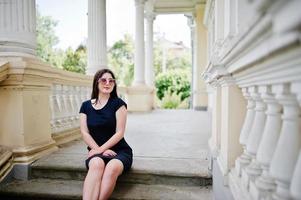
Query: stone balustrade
point(259, 49)
point(65, 102)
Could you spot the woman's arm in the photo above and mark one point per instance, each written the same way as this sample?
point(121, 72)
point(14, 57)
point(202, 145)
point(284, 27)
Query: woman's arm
point(85, 132)
point(121, 115)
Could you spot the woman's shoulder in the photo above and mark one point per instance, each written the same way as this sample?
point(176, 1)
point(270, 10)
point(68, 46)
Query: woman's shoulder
point(118, 102)
point(85, 107)
point(117, 99)
point(88, 101)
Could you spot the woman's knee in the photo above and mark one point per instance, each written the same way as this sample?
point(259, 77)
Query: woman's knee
point(96, 164)
point(114, 168)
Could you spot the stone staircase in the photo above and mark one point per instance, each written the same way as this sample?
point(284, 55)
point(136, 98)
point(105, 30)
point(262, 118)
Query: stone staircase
point(61, 175)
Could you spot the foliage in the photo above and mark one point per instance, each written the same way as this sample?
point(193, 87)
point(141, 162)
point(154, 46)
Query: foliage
point(174, 81)
point(172, 100)
point(175, 58)
point(75, 61)
point(46, 40)
point(121, 60)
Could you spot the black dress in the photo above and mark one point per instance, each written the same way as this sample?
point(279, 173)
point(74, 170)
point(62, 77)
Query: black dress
point(102, 126)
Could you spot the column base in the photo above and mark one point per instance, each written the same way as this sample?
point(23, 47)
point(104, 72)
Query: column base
point(282, 191)
point(28, 154)
point(6, 160)
point(140, 98)
point(237, 189)
point(200, 108)
point(241, 163)
point(17, 49)
point(262, 188)
point(250, 173)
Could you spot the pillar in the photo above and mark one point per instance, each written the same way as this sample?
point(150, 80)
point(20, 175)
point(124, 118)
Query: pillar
point(18, 28)
point(149, 70)
point(200, 97)
point(97, 37)
point(139, 70)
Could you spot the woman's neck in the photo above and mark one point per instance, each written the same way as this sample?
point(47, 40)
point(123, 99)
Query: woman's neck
point(102, 96)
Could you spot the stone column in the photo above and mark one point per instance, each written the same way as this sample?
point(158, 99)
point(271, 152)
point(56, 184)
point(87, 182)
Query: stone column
point(18, 28)
point(139, 96)
point(97, 37)
point(200, 98)
point(191, 24)
point(149, 71)
point(289, 143)
point(139, 70)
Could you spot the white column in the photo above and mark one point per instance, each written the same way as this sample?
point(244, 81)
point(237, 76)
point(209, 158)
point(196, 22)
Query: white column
point(149, 71)
point(195, 68)
point(265, 183)
point(97, 37)
point(289, 143)
point(139, 70)
point(296, 180)
point(18, 28)
point(253, 170)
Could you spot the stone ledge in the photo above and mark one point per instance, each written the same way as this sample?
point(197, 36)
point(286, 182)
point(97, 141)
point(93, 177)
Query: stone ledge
point(62, 189)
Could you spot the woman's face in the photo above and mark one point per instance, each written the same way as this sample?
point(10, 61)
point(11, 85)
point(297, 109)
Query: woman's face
point(106, 83)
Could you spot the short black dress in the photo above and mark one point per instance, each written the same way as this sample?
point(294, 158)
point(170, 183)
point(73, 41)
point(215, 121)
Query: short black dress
point(102, 126)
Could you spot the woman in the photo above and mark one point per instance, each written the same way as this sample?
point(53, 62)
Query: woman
point(102, 124)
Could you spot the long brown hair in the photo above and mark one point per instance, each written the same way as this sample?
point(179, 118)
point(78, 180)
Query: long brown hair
point(95, 89)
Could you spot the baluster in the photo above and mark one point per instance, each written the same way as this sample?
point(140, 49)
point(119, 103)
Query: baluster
point(88, 93)
point(245, 158)
point(296, 180)
point(265, 184)
point(287, 150)
point(61, 108)
point(253, 169)
point(83, 94)
point(78, 102)
point(73, 106)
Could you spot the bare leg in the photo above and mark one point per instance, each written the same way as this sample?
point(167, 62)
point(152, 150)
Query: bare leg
point(112, 170)
point(93, 179)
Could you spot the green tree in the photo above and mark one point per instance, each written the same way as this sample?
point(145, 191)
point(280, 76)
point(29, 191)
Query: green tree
point(176, 81)
point(46, 40)
point(75, 61)
point(121, 59)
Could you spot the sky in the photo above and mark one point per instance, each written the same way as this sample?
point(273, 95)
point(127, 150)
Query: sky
point(72, 21)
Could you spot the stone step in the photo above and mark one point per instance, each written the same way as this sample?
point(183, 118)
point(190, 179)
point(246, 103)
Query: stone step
point(178, 172)
point(47, 189)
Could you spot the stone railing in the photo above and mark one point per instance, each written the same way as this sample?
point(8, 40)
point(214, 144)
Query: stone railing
point(258, 62)
point(65, 101)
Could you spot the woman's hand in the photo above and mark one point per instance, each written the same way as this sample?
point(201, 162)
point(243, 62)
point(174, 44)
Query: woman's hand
point(109, 152)
point(95, 151)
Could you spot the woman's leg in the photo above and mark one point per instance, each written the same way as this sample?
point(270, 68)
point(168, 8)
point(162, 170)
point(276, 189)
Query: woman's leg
point(93, 179)
point(112, 170)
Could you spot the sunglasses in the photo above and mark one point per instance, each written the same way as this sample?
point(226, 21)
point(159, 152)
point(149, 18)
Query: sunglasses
point(104, 81)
